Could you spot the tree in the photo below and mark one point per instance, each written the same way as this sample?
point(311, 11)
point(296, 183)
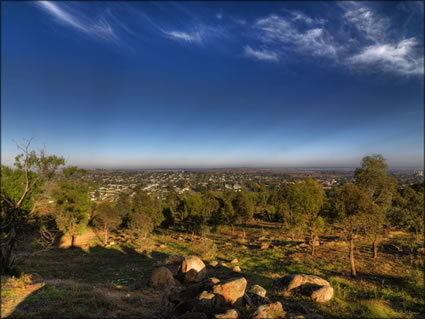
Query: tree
point(224, 215)
point(123, 208)
point(20, 190)
point(310, 198)
point(193, 215)
point(143, 202)
point(408, 211)
point(210, 204)
point(72, 208)
point(106, 218)
point(145, 213)
point(243, 206)
point(352, 206)
point(373, 180)
point(169, 217)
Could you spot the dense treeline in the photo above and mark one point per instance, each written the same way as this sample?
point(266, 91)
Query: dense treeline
point(371, 204)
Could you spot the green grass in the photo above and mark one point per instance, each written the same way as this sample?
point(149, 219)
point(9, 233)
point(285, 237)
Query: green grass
point(101, 282)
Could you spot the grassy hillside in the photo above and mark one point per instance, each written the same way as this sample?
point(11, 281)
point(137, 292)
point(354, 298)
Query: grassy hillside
point(96, 281)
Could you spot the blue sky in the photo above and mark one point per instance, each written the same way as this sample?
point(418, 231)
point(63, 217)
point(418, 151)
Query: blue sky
point(214, 84)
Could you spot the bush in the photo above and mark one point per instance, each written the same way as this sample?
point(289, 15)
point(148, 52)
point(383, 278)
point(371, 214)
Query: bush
point(169, 217)
point(205, 248)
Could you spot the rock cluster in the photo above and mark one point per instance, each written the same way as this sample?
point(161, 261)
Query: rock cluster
point(316, 288)
point(192, 294)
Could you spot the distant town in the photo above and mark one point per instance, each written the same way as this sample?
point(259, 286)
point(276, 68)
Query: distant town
point(106, 185)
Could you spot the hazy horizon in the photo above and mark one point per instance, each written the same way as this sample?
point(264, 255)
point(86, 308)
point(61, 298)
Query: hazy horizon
point(149, 85)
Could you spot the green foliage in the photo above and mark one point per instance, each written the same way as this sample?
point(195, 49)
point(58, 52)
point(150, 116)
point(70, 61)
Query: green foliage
point(145, 204)
point(308, 200)
point(20, 189)
point(373, 180)
point(408, 210)
point(169, 217)
point(145, 215)
point(243, 207)
point(72, 207)
point(352, 206)
point(106, 218)
point(123, 207)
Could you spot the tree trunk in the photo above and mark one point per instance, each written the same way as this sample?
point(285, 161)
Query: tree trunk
point(353, 266)
point(72, 240)
point(6, 250)
point(312, 239)
point(375, 248)
point(105, 231)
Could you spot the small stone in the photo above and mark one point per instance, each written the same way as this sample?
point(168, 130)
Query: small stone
point(234, 261)
point(257, 290)
point(214, 263)
point(229, 314)
point(237, 269)
point(273, 310)
point(213, 280)
point(265, 246)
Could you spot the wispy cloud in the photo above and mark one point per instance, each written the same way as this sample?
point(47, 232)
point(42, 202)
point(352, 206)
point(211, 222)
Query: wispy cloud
point(184, 36)
point(370, 25)
point(381, 51)
point(280, 31)
point(398, 58)
point(265, 55)
point(65, 15)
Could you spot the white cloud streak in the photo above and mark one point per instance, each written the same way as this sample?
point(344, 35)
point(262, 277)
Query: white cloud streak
point(264, 55)
point(382, 53)
point(367, 22)
point(397, 58)
point(281, 32)
point(184, 36)
point(101, 29)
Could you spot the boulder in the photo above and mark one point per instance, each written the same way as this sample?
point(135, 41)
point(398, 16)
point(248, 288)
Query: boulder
point(287, 283)
point(314, 287)
point(273, 310)
point(206, 301)
point(237, 269)
point(214, 263)
point(193, 269)
point(229, 314)
point(173, 259)
point(162, 276)
point(185, 294)
point(257, 290)
point(230, 291)
point(323, 294)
